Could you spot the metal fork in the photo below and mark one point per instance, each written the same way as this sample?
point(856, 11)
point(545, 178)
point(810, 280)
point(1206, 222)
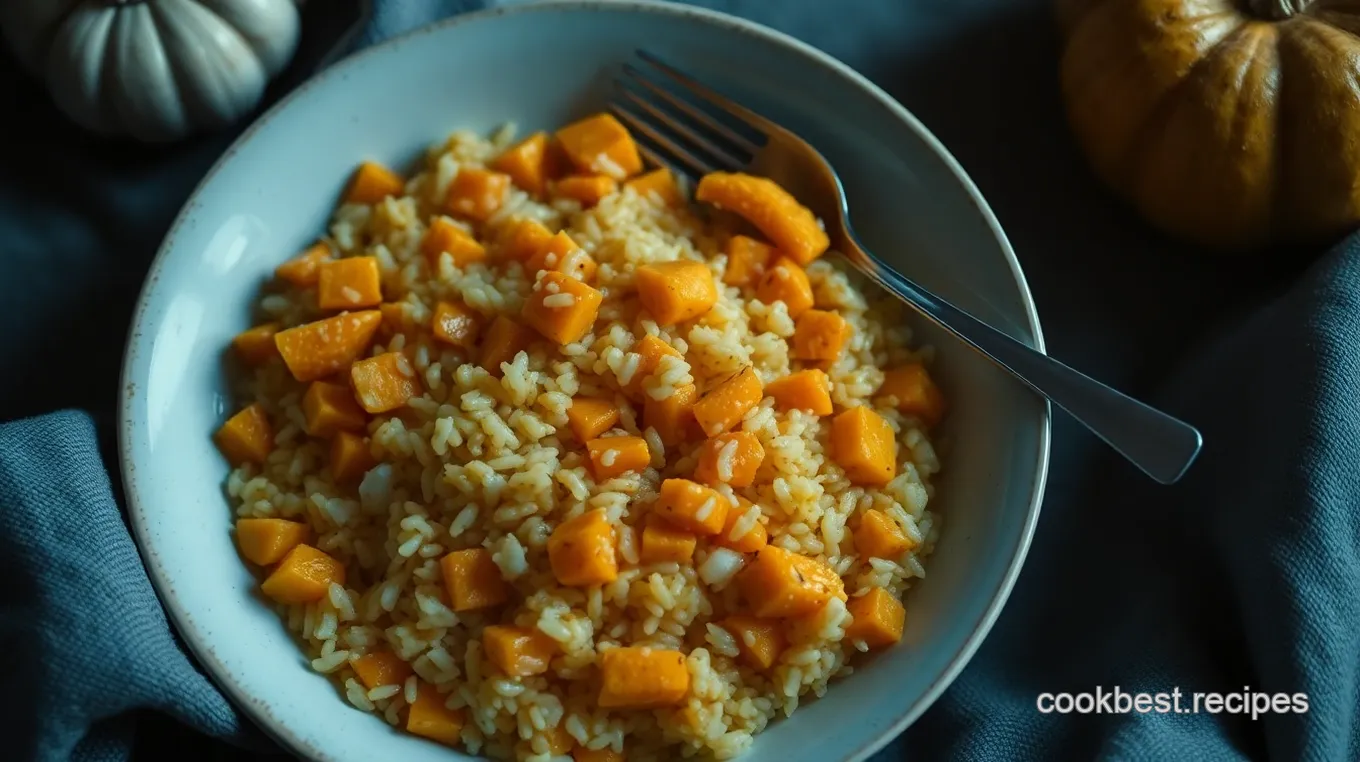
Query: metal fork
point(686, 126)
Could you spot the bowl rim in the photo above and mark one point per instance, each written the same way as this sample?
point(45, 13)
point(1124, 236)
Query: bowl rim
point(183, 622)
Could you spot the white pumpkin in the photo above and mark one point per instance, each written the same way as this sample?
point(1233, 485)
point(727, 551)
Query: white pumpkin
point(156, 70)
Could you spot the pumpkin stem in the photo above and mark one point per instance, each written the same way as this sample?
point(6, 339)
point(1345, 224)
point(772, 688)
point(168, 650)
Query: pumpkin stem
point(1278, 10)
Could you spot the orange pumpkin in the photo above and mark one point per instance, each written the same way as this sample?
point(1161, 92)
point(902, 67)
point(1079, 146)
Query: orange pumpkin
point(1231, 123)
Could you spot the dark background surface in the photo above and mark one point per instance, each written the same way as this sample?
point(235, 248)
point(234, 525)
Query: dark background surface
point(81, 218)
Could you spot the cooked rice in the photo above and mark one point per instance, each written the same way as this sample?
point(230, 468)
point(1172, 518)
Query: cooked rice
point(480, 461)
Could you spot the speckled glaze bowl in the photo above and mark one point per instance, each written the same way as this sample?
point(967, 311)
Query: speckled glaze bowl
point(543, 64)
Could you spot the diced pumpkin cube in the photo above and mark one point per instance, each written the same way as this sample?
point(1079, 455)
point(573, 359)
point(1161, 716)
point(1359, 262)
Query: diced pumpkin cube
point(730, 459)
point(879, 619)
point(581, 550)
point(773, 210)
point(561, 254)
point(673, 417)
point(350, 457)
point(265, 541)
point(476, 194)
point(760, 640)
point(429, 718)
point(785, 281)
point(559, 740)
point(472, 580)
point(378, 668)
point(525, 162)
point(371, 183)
point(657, 185)
point(910, 389)
point(246, 437)
point(862, 443)
point(556, 163)
point(587, 189)
point(303, 270)
point(741, 535)
point(782, 584)
point(878, 536)
point(607, 754)
point(455, 324)
point(674, 292)
point(329, 408)
point(650, 349)
point(324, 347)
point(303, 576)
point(808, 390)
point(746, 260)
point(517, 651)
point(562, 308)
point(444, 235)
point(590, 417)
point(691, 506)
point(523, 239)
point(725, 404)
point(255, 346)
point(819, 335)
point(613, 456)
point(384, 383)
point(662, 542)
point(637, 677)
point(600, 145)
point(349, 284)
point(504, 339)
point(395, 318)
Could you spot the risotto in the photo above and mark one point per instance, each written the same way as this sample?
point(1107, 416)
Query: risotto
point(541, 462)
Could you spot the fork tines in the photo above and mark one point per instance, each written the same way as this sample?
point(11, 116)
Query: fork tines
point(680, 123)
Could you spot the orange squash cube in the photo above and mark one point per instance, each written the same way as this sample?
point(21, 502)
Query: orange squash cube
point(517, 651)
point(783, 584)
point(316, 350)
point(614, 456)
point(637, 677)
point(785, 281)
point(725, 404)
point(350, 457)
point(455, 324)
point(476, 194)
point(445, 236)
point(749, 541)
point(246, 437)
point(674, 292)
point(730, 459)
point(526, 162)
point(746, 260)
point(581, 550)
point(562, 308)
point(265, 541)
point(878, 536)
point(303, 576)
point(378, 668)
point(303, 270)
point(819, 336)
point(384, 383)
point(255, 346)
point(429, 718)
point(691, 506)
point(348, 284)
point(863, 444)
point(911, 390)
point(473, 580)
point(658, 185)
point(600, 145)
point(561, 254)
point(879, 619)
point(590, 417)
point(673, 417)
point(773, 210)
point(330, 408)
point(371, 183)
point(760, 640)
point(808, 390)
point(504, 339)
point(650, 349)
point(662, 542)
point(587, 189)
point(523, 239)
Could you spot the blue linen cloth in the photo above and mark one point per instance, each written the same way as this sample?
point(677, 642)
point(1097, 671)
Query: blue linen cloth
point(1246, 576)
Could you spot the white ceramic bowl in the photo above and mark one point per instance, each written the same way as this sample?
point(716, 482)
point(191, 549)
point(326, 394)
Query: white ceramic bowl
point(542, 65)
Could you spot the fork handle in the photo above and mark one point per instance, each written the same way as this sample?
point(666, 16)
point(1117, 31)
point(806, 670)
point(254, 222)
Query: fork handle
point(1158, 444)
